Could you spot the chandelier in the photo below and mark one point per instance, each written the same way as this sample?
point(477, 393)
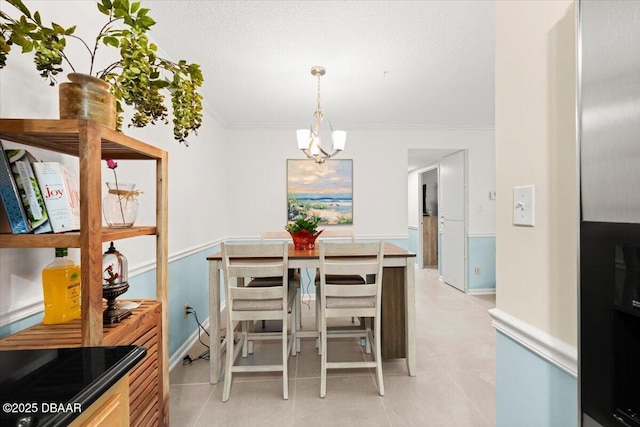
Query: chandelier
point(309, 140)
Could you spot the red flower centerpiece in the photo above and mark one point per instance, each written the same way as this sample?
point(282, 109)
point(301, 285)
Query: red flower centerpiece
point(304, 232)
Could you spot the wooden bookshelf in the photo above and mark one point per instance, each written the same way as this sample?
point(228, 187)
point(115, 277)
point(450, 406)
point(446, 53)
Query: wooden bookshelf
point(91, 143)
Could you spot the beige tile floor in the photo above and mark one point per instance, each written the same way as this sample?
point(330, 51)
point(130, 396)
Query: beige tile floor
point(454, 385)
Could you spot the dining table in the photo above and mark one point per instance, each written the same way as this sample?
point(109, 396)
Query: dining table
point(398, 312)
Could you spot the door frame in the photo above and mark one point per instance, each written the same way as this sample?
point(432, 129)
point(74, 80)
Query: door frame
point(466, 219)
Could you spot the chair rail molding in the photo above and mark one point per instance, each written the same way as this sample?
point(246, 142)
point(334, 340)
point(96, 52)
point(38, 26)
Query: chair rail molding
point(537, 341)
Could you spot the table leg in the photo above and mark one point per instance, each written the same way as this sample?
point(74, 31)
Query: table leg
point(410, 315)
point(214, 322)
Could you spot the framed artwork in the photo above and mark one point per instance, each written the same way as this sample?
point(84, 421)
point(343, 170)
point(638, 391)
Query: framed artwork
point(324, 190)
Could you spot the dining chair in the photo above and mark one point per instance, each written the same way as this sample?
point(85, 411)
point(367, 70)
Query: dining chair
point(351, 300)
point(249, 304)
point(338, 234)
point(294, 273)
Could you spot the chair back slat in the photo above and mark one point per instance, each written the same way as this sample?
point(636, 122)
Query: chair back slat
point(361, 266)
point(349, 291)
point(254, 251)
point(274, 235)
point(269, 292)
point(255, 260)
point(337, 233)
point(255, 270)
point(364, 259)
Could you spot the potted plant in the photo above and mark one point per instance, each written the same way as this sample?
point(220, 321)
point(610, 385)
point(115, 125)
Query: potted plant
point(304, 232)
point(136, 79)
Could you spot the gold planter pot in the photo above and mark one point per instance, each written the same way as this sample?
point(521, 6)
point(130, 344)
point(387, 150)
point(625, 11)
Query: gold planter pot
point(87, 97)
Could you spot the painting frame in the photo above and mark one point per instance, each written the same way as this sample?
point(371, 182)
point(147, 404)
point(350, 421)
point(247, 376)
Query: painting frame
point(320, 189)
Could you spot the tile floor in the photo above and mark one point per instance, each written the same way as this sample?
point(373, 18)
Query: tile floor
point(454, 385)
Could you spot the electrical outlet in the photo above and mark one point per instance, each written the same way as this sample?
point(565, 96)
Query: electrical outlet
point(186, 309)
point(477, 270)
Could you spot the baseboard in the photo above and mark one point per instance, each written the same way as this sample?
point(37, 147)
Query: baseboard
point(481, 291)
point(537, 341)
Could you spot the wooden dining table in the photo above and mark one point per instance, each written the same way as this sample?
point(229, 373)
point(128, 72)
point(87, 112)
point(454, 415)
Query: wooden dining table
point(398, 316)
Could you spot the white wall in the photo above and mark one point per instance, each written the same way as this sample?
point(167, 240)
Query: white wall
point(228, 183)
point(535, 144)
point(257, 183)
point(197, 180)
point(481, 160)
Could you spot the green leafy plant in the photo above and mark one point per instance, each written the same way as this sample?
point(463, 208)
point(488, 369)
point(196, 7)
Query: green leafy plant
point(309, 224)
point(137, 78)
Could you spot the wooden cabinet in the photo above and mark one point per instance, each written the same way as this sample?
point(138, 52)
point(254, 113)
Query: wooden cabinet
point(111, 409)
point(91, 143)
point(429, 240)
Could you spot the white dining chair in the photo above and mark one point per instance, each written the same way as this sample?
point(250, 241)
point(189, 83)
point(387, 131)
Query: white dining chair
point(249, 304)
point(351, 300)
point(339, 234)
point(294, 273)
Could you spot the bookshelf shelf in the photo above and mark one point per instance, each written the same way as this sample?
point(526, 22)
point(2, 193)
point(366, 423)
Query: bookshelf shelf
point(71, 239)
point(91, 143)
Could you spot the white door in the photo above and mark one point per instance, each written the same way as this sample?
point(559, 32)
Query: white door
point(452, 219)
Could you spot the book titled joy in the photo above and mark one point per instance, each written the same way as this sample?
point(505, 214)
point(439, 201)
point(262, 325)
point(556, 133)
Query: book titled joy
point(59, 187)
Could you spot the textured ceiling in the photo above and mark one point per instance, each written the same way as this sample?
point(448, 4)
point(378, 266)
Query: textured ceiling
point(390, 64)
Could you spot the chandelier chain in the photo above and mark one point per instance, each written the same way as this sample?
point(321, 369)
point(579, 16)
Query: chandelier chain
point(319, 110)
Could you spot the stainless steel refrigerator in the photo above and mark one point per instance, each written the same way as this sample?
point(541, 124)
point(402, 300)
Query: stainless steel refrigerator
point(609, 133)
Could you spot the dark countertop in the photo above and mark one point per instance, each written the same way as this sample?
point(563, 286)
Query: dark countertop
point(51, 387)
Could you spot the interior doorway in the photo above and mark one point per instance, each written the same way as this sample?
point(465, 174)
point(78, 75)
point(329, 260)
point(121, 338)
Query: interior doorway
point(425, 214)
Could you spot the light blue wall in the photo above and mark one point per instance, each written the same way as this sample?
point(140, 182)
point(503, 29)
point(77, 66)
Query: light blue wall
point(530, 391)
point(21, 324)
point(481, 253)
point(188, 283)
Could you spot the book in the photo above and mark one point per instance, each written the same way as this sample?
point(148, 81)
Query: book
point(32, 201)
point(5, 226)
point(60, 191)
point(11, 200)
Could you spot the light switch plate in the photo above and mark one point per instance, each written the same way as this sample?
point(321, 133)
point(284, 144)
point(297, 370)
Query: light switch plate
point(524, 199)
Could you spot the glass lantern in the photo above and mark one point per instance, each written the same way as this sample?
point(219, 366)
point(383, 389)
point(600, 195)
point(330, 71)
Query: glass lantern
point(115, 282)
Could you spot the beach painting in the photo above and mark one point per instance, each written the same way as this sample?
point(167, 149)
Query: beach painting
point(324, 190)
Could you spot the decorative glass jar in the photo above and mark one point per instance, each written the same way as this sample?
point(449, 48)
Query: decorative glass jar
point(115, 268)
point(115, 282)
point(120, 205)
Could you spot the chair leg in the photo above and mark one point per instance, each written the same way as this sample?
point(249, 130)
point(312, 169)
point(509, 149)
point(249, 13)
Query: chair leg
point(318, 323)
point(293, 336)
point(299, 309)
point(367, 339)
point(247, 347)
point(323, 358)
point(226, 391)
point(378, 356)
point(285, 359)
point(298, 319)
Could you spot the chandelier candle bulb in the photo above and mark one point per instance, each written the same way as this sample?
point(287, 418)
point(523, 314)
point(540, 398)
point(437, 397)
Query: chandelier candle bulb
point(339, 139)
point(304, 135)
